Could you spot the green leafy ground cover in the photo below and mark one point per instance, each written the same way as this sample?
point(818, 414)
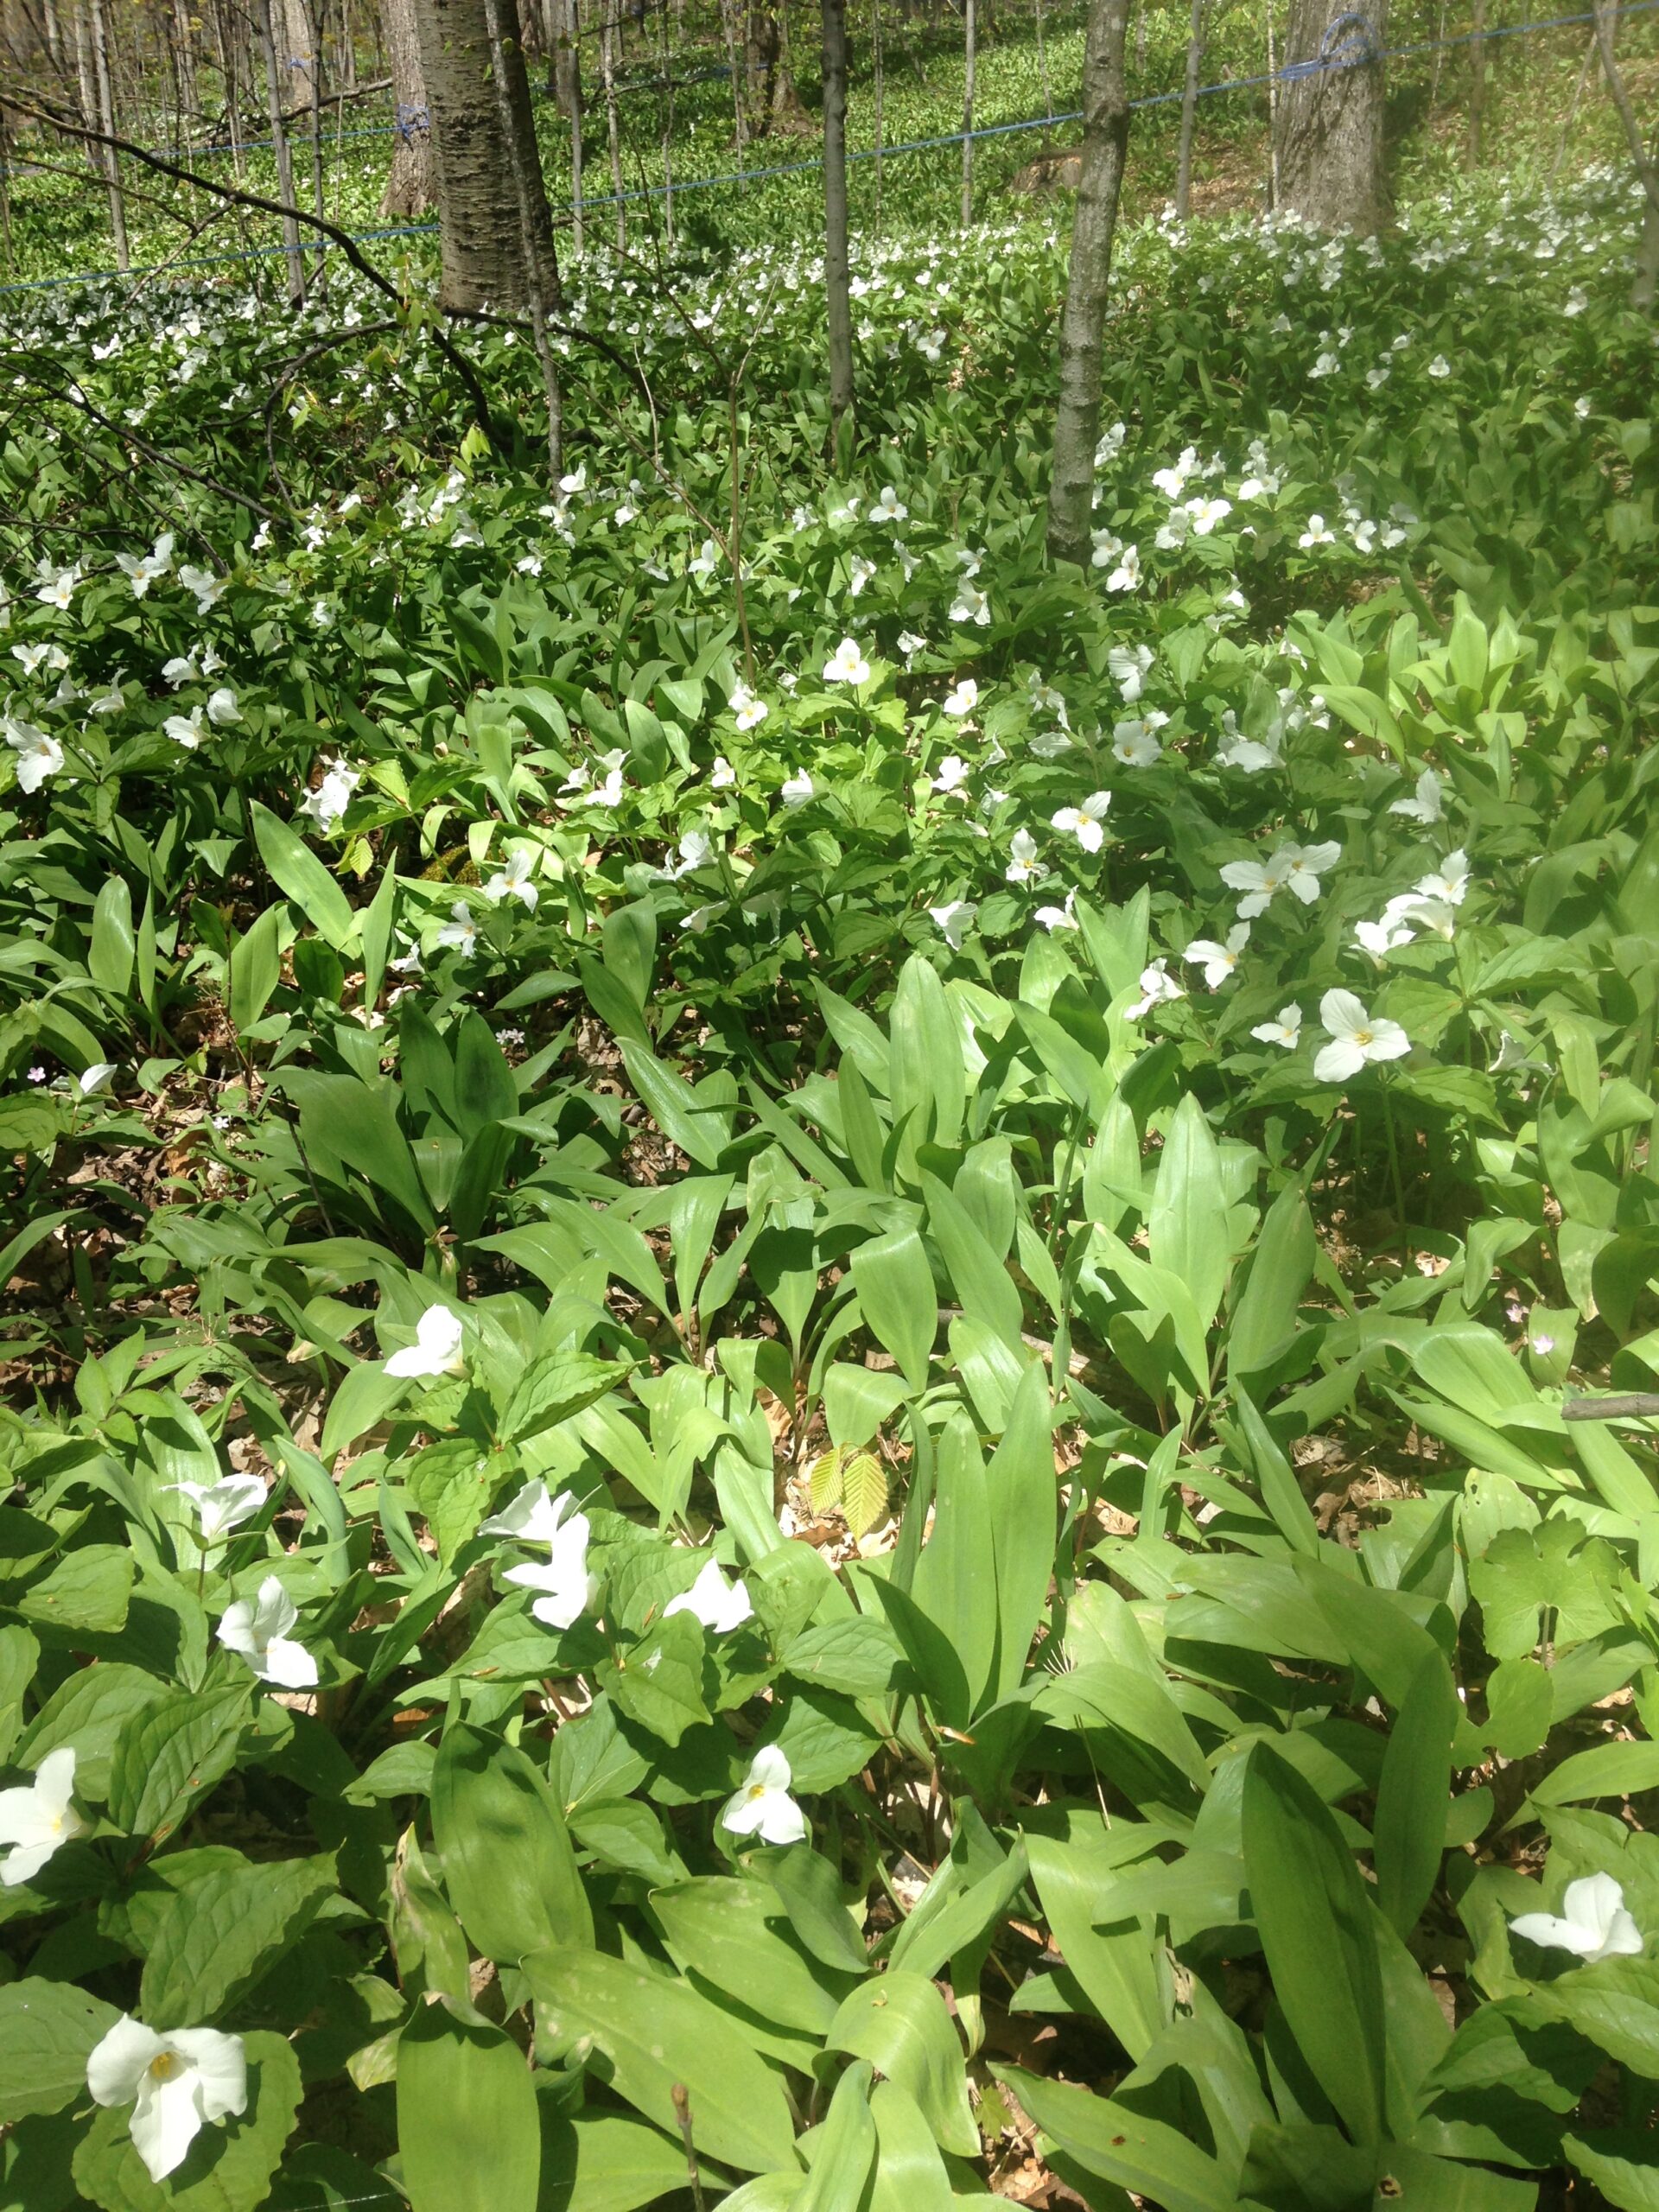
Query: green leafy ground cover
point(808, 1343)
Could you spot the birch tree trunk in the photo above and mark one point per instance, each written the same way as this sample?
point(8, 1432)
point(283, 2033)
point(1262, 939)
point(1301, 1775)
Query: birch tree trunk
point(411, 187)
point(1645, 158)
point(275, 80)
point(1189, 111)
point(100, 40)
point(968, 30)
point(478, 198)
point(1331, 120)
point(837, 301)
point(608, 36)
point(1083, 324)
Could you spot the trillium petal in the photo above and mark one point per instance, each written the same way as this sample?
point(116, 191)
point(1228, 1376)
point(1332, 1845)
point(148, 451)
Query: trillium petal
point(166, 2121)
point(221, 2066)
point(116, 2065)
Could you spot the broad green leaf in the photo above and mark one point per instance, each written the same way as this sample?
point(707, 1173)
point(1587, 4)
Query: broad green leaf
point(736, 1935)
point(215, 1941)
point(1189, 1231)
point(1120, 1965)
point(606, 2162)
point(1409, 1829)
point(846, 2149)
point(898, 2021)
point(1023, 1493)
point(897, 1300)
point(48, 2029)
point(956, 1576)
point(111, 957)
point(909, 2174)
point(654, 2033)
point(166, 1758)
point(255, 968)
point(983, 1287)
point(1263, 1324)
point(1611, 1770)
point(1314, 1914)
point(468, 2132)
point(297, 871)
point(1158, 2162)
point(86, 1594)
point(508, 1864)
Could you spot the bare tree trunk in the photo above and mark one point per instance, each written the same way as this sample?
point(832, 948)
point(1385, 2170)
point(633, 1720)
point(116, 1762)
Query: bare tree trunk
point(225, 36)
point(53, 34)
point(184, 48)
point(1646, 160)
point(1478, 84)
point(740, 91)
point(1273, 113)
point(1585, 67)
point(411, 187)
point(1189, 111)
point(608, 71)
point(1083, 324)
point(668, 126)
point(479, 189)
point(881, 140)
point(1140, 38)
point(566, 88)
point(535, 259)
point(284, 162)
point(312, 13)
point(837, 301)
point(100, 39)
point(1331, 115)
point(1042, 68)
point(86, 78)
point(969, 28)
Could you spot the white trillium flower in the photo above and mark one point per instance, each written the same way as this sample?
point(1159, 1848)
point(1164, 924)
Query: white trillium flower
point(223, 1505)
point(1049, 744)
point(142, 570)
point(797, 790)
point(1133, 744)
point(327, 805)
point(954, 919)
point(722, 775)
point(1259, 881)
point(1206, 513)
point(1382, 937)
point(1219, 961)
point(38, 1818)
point(512, 881)
point(437, 1348)
point(1449, 882)
point(1128, 666)
point(569, 1588)
point(720, 1606)
point(847, 665)
point(177, 2084)
point(970, 605)
point(748, 710)
point(763, 1806)
point(1126, 576)
point(1593, 1923)
point(38, 755)
point(257, 1628)
point(887, 506)
point(95, 1079)
point(57, 586)
point(1059, 918)
point(953, 774)
point(1084, 821)
point(1425, 806)
point(1158, 988)
point(1024, 866)
point(460, 930)
point(1316, 534)
point(207, 587)
point(1305, 865)
point(187, 729)
point(531, 1517)
point(964, 699)
point(222, 709)
point(1284, 1028)
point(1356, 1038)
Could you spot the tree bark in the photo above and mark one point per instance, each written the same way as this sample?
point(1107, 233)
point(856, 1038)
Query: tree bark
point(536, 266)
point(566, 57)
point(1083, 324)
point(1189, 111)
point(837, 301)
point(969, 42)
point(478, 198)
point(1330, 119)
point(100, 41)
point(608, 29)
point(274, 84)
point(411, 187)
point(1478, 84)
point(1646, 159)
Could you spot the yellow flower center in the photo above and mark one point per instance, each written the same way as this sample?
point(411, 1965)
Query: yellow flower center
point(756, 1789)
point(164, 2065)
point(1362, 1037)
